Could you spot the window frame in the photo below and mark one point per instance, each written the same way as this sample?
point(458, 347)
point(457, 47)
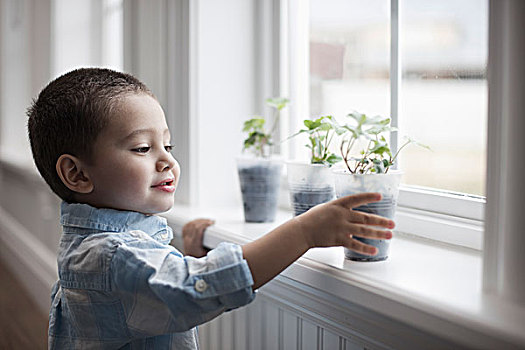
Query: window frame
point(440, 215)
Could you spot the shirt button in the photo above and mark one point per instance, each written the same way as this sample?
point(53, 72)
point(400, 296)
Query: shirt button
point(164, 235)
point(201, 286)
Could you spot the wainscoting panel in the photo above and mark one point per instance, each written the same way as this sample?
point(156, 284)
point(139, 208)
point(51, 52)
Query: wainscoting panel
point(292, 330)
point(267, 325)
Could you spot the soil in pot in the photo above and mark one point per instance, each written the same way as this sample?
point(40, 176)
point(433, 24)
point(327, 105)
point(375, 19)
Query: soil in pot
point(309, 185)
point(308, 197)
point(260, 191)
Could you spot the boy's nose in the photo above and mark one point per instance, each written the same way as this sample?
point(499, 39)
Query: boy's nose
point(165, 163)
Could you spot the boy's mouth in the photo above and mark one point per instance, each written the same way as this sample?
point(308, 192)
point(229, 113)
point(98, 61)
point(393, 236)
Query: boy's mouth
point(166, 185)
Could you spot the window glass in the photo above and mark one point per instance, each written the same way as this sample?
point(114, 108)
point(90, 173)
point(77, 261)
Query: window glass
point(349, 57)
point(444, 93)
point(443, 96)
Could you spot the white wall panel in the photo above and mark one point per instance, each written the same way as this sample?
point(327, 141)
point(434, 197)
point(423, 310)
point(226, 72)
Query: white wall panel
point(241, 330)
point(331, 340)
point(271, 325)
point(291, 330)
point(310, 336)
point(227, 330)
point(267, 324)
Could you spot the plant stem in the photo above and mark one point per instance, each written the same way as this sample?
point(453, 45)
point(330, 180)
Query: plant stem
point(388, 167)
point(345, 157)
point(365, 155)
point(325, 144)
point(350, 145)
point(330, 141)
point(399, 150)
point(320, 145)
point(276, 115)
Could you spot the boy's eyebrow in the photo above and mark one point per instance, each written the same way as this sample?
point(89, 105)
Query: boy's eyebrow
point(143, 131)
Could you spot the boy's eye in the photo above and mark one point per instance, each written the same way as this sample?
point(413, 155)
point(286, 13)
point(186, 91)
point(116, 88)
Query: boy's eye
point(168, 148)
point(144, 149)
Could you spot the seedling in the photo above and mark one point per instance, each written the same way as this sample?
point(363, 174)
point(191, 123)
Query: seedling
point(320, 133)
point(259, 138)
point(376, 157)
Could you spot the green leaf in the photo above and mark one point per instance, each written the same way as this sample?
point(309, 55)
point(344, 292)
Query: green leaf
point(380, 150)
point(410, 140)
point(312, 124)
point(256, 139)
point(256, 123)
point(354, 131)
point(277, 102)
point(377, 120)
point(332, 159)
point(325, 127)
point(376, 130)
point(308, 123)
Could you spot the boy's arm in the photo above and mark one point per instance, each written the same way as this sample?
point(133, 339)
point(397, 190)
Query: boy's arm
point(329, 224)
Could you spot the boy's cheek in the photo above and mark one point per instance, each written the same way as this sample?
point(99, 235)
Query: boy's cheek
point(176, 173)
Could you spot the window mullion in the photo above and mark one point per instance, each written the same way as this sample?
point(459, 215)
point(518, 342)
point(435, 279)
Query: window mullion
point(298, 65)
point(395, 71)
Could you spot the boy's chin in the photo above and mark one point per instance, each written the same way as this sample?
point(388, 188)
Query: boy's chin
point(156, 210)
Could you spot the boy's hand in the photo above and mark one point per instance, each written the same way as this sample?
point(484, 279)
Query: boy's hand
point(335, 223)
point(192, 236)
point(330, 224)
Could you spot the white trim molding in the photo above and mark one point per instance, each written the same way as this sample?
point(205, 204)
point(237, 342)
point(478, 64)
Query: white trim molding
point(504, 261)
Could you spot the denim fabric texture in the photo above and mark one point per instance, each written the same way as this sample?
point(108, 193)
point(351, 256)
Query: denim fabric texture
point(121, 285)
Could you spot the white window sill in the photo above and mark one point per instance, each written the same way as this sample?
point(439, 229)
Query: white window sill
point(431, 286)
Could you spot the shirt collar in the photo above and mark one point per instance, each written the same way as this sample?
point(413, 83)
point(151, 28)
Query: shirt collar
point(84, 216)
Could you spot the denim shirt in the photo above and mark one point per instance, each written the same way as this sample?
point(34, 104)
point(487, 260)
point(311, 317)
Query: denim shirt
point(122, 286)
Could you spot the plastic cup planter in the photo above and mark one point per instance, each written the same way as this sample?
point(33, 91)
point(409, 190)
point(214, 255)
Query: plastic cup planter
point(309, 185)
point(386, 184)
point(260, 179)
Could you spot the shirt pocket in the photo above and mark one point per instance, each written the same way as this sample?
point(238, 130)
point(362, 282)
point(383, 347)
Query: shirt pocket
point(96, 316)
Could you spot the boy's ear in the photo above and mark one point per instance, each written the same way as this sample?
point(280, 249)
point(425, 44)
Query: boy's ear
point(73, 175)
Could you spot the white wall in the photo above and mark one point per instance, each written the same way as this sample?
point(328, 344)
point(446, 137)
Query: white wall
point(225, 96)
point(212, 90)
point(17, 79)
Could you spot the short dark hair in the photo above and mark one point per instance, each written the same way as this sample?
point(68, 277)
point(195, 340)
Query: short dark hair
point(69, 114)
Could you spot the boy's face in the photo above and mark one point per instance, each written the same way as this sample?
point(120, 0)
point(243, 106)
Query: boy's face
point(131, 167)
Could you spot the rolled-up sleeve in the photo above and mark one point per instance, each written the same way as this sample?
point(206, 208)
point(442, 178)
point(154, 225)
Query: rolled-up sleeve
point(163, 292)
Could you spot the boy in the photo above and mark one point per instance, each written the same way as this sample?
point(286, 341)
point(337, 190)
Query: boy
point(100, 140)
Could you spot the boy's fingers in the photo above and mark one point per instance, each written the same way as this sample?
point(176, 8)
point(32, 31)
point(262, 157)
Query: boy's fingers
point(357, 200)
point(371, 219)
point(203, 225)
point(368, 232)
point(199, 223)
point(360, 247)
